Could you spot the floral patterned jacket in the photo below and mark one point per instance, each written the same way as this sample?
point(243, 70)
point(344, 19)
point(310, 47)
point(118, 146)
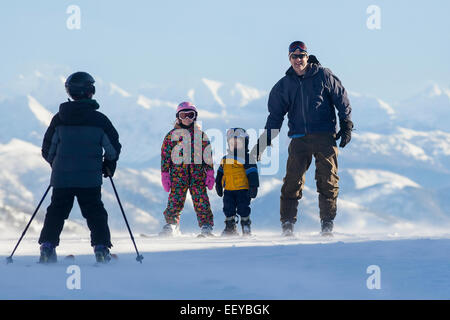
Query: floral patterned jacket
point(186, 154)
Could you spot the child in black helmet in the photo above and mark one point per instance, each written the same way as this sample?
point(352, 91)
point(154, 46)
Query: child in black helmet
point(237, 181)
point(80, 145)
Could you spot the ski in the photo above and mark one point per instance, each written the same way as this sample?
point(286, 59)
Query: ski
point(113, 259)
point(327, 234)
point(70, 258)
point(210, 235)
point(230, 236)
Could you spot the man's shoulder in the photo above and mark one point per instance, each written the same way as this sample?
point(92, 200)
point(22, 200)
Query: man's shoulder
point(285, 82)
point(326, 72)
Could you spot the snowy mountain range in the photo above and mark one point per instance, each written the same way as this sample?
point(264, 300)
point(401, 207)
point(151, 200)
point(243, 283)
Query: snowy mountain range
point(394, 174)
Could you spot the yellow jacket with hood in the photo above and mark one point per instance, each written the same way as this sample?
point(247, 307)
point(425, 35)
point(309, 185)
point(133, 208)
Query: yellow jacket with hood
point(236, 173)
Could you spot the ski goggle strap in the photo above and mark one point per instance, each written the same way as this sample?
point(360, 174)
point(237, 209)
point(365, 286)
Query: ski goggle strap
point(236, 133)
point(297, 45)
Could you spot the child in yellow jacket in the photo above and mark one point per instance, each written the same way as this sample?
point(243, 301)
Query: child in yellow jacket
point(237, 181)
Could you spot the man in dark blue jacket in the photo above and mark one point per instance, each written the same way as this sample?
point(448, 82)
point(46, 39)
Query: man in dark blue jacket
point(80, 144)
point(309, 95)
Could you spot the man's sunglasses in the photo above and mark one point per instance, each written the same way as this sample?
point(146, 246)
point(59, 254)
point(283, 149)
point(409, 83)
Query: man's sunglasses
point(183, 115)
point(297, 56)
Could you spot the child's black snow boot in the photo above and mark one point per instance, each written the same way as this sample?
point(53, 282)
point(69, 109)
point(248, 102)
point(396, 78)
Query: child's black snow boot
point(102, 254)
point(48, 253)
point(245, 223)
point(230, 227)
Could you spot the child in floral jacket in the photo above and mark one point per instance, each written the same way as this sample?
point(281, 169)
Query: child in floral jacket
point(186, 164)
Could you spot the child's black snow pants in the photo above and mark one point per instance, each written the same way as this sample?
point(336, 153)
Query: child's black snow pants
point(92, 210)
point(236, 202)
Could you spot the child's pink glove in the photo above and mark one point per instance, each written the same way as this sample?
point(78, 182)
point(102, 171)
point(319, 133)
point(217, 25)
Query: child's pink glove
point(165, 179)
point(210, 179)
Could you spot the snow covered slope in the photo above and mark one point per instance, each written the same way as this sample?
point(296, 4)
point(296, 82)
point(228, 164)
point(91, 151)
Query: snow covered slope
point(264, 267)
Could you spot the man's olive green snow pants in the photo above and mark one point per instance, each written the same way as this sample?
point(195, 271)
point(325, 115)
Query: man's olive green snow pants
point(301, 150)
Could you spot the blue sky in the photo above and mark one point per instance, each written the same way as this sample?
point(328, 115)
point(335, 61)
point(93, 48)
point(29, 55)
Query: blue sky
point(165, 42)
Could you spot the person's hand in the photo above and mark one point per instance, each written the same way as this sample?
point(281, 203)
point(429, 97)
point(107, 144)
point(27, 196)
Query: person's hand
point(165, 180)
point(345, 132)
point(258, 149)
point(219, 189)
point(252, 192)
point(209, 182)
point(108, 168)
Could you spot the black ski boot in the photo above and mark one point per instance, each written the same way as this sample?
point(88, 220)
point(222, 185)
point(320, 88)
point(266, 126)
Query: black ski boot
point(48, 253)
point(327, 228)
point(102, 254)
point(230, 227)
point(287, 228)
point(245, 223)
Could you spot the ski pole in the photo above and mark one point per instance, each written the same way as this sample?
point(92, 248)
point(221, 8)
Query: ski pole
point(9, 259)
point(139, 257)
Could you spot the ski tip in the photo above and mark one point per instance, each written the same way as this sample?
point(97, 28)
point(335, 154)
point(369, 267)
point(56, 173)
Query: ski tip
point(210, 235)
point(70, 257)
point(327, 234)
point(114, 256)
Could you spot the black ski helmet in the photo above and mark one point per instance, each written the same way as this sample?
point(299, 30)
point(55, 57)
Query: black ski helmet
point(80, 85)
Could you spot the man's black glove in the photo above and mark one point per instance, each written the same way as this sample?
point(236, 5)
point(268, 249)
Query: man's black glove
point(219, 189)
point(252, 192)
point(313, 59)
point(345, 133)
point(108, 168)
